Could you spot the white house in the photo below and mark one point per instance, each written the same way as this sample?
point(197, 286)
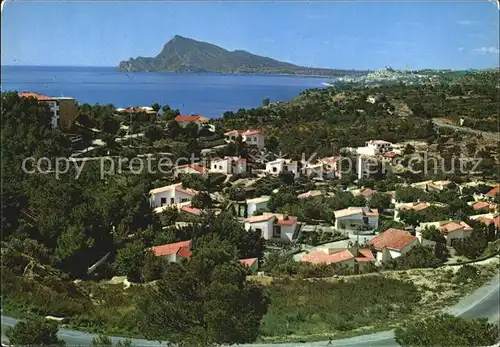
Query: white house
point(392, 243)
point(352, 258)
point(451, 230)
point(184, 121)
point(274, 226)
point(411, 206)
point(190, 169)
point(375, 147)
point(229, 165)
point(256, 204)
point(356, 218)
point(174, 252)
point(325, 168)
point(280, 165)
point(170, 195)
point(251, 137)
point(367, 165)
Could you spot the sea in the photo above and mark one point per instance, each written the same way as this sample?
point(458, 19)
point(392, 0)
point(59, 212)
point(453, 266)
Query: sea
point(206, 94)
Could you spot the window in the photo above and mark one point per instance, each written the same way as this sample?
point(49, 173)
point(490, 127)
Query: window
point(172, 200)
point(285, 168)
point(163, 201)
point(277, 231)
point(58, 122)
point(184, 200)
point(220, 167)
point(259, 230)
point(255, 139)
point(274, 169)
point(214, 166)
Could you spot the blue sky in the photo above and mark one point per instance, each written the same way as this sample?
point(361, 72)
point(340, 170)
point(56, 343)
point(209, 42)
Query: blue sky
point(358, 35)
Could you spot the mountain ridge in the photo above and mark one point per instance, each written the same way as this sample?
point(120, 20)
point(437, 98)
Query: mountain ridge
point(182, 54)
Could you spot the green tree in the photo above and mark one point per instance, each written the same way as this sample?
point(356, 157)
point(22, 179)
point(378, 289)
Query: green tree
point(202, 200)
point(445, 330)
point(130, 260)
point(156, 107)
point(265, 102)
point(285, 196)
point(34, 332)
point(380, 201)
point(205, 301)
point(153, 133)
point(416, 258)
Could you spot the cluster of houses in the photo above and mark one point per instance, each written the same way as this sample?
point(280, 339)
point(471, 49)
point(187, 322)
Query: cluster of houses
point(387, 245)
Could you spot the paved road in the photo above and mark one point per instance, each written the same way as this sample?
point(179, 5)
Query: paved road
point(484, 302)
point(486, 134)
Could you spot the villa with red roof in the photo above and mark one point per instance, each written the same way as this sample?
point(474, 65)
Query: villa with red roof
point(251, 263)
point(251, 137)
point(356, 218)
point(451, 229)
point(353, 257)
point(63, 109)
point(483, 206)
point(392, 243)
point(171, 195)
point(493, 192)
point(191, 210)
point(200, 121)
point(274, 226)
point(310, 194)
point(490, 219)
point(229, 165)
point(324, 168)
point(174, 252)
point(194, 168)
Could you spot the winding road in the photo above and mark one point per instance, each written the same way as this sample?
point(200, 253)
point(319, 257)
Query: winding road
point(494, 136)
point(484, 302)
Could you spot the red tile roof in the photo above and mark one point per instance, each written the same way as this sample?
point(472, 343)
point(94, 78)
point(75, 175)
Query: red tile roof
point(483, 205)
point(287, 220)
point(261, 218)
point(191, 210)
point(191, 118)
point(488, 221)
point(319, 257)
point(248, 262)
point(35, 95)
point(367, 255)
point(419, 206)
point(196, 167)
point(367, 192)
point(454, 226)
point(310, 194)
point(251, 132)
point(393, 239)
point(185, 252)
point(172, 248)
point(493, 192)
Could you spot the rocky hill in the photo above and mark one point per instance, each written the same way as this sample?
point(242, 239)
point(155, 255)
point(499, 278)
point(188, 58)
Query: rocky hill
point(182, 54)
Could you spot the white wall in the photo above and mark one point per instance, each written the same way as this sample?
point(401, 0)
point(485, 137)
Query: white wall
point(257, 140)
point(366, 150)
point(373, 221)
point(357, 218)
point(168, 195)
point(265, 226)
point(287, 232)
point(220, 166)
point(252, 207)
